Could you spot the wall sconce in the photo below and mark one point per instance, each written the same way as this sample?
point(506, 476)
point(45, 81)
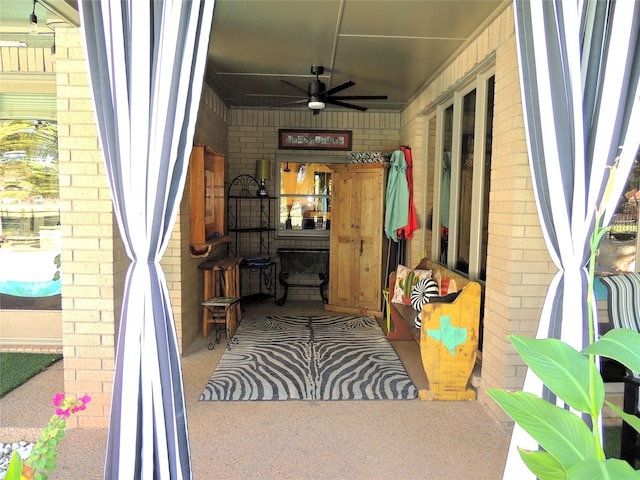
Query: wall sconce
point(263, 172)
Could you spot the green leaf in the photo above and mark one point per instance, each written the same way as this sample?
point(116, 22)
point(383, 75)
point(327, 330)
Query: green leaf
point(15, 467)
point(50, 465)
point(39, 463)
point(564, 370)
point(620, 344)
point(542, 465)
point(597, 235)
point(560, 432)
point(627, 417)
point(611, 469)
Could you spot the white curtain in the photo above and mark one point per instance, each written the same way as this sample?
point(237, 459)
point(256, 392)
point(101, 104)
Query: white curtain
point(579, 67)
point(146, 63)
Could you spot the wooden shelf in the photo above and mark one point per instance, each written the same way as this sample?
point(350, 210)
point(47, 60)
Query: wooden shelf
point(200, 250)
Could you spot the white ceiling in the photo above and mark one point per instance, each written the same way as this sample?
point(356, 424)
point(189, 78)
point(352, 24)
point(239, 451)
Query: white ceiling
point(387, 47)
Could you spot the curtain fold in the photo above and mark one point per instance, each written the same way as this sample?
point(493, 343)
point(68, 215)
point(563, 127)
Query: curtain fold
point(579, 69)
point(146, 63)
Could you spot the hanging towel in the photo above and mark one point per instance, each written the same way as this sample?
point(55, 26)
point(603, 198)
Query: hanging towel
point(397, 197)
point(412, 221)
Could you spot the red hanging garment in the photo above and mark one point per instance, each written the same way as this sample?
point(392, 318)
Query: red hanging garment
point(412, 225)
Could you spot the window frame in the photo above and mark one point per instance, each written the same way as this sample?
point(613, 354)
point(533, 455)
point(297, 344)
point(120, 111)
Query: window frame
point(297, 158)
point(479, 83)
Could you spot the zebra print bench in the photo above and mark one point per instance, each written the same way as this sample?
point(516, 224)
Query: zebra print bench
point(624, 312)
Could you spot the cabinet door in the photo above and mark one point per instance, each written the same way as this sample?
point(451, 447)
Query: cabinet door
point(344, 270)
point(356, 239)
point(207, 202)
point(369, 241)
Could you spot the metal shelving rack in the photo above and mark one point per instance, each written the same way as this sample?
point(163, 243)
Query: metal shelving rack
point(249, 224)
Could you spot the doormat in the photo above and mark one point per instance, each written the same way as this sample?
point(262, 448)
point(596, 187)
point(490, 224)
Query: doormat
point(309, 358)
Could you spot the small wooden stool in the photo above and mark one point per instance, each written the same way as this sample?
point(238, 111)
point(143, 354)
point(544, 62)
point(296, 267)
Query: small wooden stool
point(221, 281)
point(221, 311)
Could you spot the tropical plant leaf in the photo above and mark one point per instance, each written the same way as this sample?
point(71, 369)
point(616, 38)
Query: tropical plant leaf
point(564, 370)
point(542, 465)
point(620, 344)
point(15, 467)
point(610, 469)
point(561, 433)
point(627, 417)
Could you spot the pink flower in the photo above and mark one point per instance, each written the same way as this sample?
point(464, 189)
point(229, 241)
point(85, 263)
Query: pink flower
point(63, 413)
point(57, 400)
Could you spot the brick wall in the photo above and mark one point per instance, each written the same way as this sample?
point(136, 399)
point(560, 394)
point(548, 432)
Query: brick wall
point(93, 255)
point(184, 279)
point(253, 135)
point(92, 259)
point(518, 265)
point(519, 269)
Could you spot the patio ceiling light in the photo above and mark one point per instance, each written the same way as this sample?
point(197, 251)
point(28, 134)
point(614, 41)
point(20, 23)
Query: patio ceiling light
point(33, 19)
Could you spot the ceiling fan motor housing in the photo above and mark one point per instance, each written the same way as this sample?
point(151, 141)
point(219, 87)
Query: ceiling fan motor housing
point(316, 89)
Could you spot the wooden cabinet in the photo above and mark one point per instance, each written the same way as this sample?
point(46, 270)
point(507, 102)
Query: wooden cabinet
point(207, 200)
point(357, 240)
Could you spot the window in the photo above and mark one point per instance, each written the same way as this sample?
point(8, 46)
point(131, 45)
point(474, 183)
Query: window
point(29, 215)
point(304, 195)
point(459, 136)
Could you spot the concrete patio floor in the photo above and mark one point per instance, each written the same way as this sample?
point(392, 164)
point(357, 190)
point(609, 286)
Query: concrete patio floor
point(407, 439)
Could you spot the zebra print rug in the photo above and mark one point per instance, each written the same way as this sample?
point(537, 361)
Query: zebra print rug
point(309, 358)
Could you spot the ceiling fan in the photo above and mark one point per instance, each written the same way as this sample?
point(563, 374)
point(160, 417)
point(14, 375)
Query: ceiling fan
point(317, 96)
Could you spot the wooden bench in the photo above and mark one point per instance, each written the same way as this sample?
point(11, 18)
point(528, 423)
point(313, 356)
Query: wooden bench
point(448, 337)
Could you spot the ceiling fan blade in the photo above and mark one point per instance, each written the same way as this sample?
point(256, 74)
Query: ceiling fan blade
point(295, 102)
point(361, 97)
point(296, 87)
point(332, 101)
point(338, 88)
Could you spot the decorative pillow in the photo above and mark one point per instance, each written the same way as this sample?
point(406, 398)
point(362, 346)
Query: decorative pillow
point(425, 289)
point(444, 286)
point(447, 285)
point(406, 279)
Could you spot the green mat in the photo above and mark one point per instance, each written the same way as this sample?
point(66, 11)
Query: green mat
point(16, 368)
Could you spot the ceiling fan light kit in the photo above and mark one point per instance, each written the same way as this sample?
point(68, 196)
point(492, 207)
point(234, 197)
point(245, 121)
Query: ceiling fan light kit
point(315, 105)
